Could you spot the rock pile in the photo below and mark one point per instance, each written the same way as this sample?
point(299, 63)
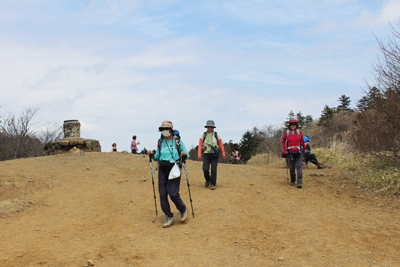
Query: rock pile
point(72, 140)
point(66, 144)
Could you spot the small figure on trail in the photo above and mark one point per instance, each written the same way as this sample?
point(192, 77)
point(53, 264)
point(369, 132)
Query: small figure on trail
point(309, 156)
point(134, 145)
point(293, 147)
point(235, 158)
point(170, 151)
point(114, 147)
point(211, 145)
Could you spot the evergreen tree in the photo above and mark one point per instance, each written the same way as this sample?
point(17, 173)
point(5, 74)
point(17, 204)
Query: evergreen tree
point(309, 119)
point(344, 103)
point(291, 116)
point(326, 116)
point(301, 120)
point(248, 144)
point(370, 99)
point(363, 104)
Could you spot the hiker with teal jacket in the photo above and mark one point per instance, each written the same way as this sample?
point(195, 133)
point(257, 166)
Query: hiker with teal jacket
point(211, 145)
point(170, 150)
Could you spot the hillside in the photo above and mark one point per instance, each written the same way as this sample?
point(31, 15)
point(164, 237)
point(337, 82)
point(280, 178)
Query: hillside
point(68, 209)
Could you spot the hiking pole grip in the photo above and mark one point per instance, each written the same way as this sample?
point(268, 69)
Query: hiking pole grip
point(184, 158)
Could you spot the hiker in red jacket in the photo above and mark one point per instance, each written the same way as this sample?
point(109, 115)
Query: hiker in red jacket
point(293, 147)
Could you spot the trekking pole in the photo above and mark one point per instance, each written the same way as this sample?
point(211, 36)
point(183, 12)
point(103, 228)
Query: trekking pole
point(187, 179)
point(287, 170)
point(152, 180)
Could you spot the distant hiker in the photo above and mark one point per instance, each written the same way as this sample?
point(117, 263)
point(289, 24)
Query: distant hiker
point(309, 156)
point(235, 158)
point(134, 145)
point(211, 145)
point(114, 147)
point(170, 150)
point(293, 147)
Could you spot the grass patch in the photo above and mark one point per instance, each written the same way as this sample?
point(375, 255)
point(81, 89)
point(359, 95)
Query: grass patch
point(265, 159)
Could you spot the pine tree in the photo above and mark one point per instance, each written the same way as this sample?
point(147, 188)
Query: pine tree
point(326, 116)
point(301, 120)
point(370, 99)
point(344, 103)
point(248, 144)
point(309, 119)
point(291, 116)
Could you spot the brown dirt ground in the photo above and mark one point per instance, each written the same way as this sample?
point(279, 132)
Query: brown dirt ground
point(67, 209)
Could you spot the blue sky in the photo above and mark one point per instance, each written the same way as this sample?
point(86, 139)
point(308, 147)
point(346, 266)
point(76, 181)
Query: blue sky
point(121, 67)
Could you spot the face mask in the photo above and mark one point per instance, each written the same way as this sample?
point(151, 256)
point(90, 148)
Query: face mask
point(166, 133)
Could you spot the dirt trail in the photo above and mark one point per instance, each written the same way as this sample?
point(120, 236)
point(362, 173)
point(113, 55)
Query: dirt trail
point(67, 209)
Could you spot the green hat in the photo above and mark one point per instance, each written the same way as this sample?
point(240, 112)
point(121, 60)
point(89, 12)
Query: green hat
point(210, 123)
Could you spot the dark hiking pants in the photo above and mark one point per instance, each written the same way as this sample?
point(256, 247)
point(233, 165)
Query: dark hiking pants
point(169, 187)
point(295, 163)
point(209, 159)
point(312, 158)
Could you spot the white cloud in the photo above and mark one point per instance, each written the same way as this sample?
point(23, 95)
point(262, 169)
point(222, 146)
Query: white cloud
point(388, 13)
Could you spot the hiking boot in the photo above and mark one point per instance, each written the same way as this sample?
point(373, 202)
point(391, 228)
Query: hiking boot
point(206, 184)
point(321, 166)
point(168, 222)
point(299, 186)
point(291, 184)
point(212, 187)
point(184, 216)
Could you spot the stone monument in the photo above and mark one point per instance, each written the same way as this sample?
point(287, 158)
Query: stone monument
point(72, 128)
point(71, 141)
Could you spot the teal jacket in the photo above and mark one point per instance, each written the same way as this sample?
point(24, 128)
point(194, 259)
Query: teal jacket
point(168, 147)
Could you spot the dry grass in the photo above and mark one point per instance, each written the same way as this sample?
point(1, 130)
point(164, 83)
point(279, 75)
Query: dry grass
point(361, 167)
point(265, 159)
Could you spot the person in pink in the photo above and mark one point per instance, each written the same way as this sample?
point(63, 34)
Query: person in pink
point(134, 145)
point(237, 156)
point(293, 147)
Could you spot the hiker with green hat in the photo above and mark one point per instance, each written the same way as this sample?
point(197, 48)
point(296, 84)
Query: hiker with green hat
point(211, 146)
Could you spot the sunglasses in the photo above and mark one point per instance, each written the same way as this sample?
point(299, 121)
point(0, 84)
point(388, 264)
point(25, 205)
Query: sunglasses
point(164, 129)
point(293, 124)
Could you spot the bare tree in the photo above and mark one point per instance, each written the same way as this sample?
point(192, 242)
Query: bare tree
point(16, 130)
point(377, 129)
point(51, 131)
point(272, 136)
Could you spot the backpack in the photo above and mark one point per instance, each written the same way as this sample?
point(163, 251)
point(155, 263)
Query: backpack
point(301, 141)
point(177, 139)
point(216, 149)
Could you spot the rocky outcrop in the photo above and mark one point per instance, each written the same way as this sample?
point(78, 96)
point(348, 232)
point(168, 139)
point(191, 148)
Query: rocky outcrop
point(66, 144)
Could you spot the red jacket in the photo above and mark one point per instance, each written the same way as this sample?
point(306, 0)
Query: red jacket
point(293, 141)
